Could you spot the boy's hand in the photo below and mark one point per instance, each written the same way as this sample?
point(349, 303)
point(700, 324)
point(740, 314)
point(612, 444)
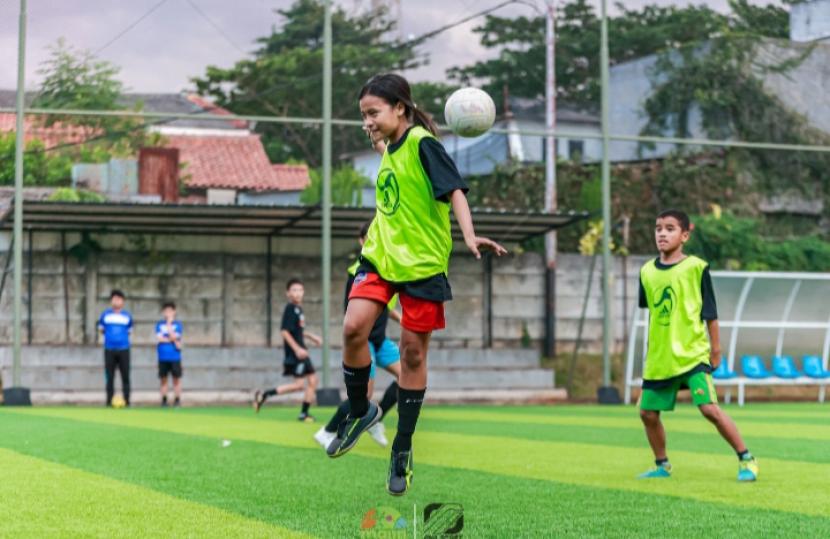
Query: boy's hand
point(715, 358)
point(479, 243)
point(302, 353)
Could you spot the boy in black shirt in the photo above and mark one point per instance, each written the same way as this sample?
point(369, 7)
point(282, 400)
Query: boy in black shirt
point(297, 361)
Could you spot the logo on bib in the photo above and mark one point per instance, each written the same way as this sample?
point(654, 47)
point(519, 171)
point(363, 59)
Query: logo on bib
point(359, 278)
point(389, 192)
point(665, 306)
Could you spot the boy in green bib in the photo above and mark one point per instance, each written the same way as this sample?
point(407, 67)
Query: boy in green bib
point(407, 252)
point(683, 343)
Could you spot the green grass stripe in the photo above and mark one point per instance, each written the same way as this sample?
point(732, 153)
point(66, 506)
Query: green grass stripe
point(623, 435)
point(786, 449)
point(44, 499)
point(807, 413)
point(301, 489)
point(785, 485)
point(811, 413)
point(696, 424)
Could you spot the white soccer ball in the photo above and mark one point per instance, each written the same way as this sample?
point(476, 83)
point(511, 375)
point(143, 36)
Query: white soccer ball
point(470, 112)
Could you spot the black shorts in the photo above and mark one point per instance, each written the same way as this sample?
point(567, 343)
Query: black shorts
point(298, 369)
point(170, 367)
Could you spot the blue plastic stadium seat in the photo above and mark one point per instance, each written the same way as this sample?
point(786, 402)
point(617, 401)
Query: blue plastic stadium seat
point(813, 367)
point(723, 372)
point(753, 367)
point(784, 367)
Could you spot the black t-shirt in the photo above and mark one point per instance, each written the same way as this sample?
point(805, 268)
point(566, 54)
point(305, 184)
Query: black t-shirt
point(438, 165)
point(293, 321)
point(709, 311)
point(378, 333)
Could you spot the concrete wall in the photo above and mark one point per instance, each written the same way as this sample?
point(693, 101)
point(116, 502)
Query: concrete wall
point(803, 89)
point(572, 281)
point(631, 84)
point(810, 21)
point(220, 286)
point(81, 369)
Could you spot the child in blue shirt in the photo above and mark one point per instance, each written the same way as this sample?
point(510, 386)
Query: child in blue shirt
point(116, 324)
point(169, 335)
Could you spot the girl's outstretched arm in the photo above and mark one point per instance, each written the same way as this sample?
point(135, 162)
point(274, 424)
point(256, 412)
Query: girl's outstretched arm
point(465, 220)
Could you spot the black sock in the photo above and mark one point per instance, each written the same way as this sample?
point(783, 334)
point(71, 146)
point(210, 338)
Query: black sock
point(390, 397)
point(661, 462)
point(357, 388)
point(164, 399)
point(744, 455)
point(409, 408)
point(339, 415)
point(269, 393)
point(305, 407)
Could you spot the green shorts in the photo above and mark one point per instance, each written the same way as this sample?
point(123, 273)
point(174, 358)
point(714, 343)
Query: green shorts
point(663, 399)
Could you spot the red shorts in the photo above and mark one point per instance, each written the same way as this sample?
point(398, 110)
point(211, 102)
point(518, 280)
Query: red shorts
point(419, 315)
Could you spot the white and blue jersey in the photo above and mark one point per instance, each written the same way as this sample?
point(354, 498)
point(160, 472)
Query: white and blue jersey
point(167, 351)
point(117, 327)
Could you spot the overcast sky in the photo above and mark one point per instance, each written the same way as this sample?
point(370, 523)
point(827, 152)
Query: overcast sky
point(175, 42)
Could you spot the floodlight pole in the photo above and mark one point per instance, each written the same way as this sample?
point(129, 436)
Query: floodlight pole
point(18, 196)
point(607, 290)
point(550, 176)
point(326, 191)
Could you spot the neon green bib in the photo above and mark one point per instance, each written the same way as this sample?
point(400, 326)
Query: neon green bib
point(409, 238)
point(677, 337)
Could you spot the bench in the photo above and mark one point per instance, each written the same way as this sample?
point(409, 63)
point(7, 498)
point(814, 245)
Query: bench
point(784, 373)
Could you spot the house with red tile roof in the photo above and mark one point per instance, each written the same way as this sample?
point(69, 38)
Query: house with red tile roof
point(219, 160)
point(52, 136)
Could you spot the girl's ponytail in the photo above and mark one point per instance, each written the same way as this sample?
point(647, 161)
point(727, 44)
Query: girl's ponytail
point(420, 117)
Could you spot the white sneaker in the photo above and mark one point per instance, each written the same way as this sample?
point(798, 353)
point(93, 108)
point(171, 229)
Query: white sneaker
point(323, 437)
point(378, 432)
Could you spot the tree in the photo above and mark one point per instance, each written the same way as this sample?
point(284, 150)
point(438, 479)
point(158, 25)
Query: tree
point(722, 82)
point(284, 77)
point(347, 186)
point(39, 167)
point(76, 79)
point(739, 243)
point(634, 33)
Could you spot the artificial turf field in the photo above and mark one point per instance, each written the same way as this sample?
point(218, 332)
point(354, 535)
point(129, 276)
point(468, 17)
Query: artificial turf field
point(526, 471)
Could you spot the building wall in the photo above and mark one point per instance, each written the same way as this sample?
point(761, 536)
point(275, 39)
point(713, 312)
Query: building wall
point(219, 285)
point(810, 21)
point(803, 89)
point(631, 85)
